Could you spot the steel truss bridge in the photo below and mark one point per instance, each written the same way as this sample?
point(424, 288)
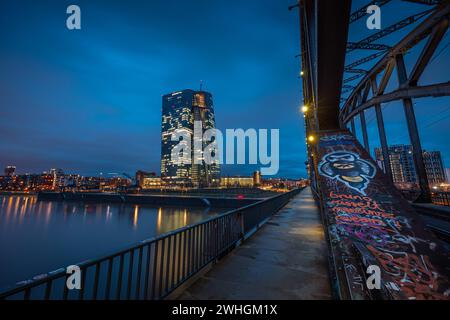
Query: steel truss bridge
point(368, 222)
point(370, 228)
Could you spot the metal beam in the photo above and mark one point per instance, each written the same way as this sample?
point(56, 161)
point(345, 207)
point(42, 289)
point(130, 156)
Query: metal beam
point(382, 134)
point(385, 79)
point(362, 118)
point(366, 46)
point(383, 141)
point(365, 93)
point(435, 90)
point(352, 123)
point(352, 78)
point(361, 12)
point(326, 50)
point(364, 60)
point(428, 51)
point(410, 40)
point(427, 2)
point(350, 70)
point(425, 195)
point(387, 31)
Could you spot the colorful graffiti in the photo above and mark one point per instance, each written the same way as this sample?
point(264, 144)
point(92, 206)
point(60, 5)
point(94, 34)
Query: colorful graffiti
point(348, 168)
point(336, 137)
point(412, 273)
point(367, 214)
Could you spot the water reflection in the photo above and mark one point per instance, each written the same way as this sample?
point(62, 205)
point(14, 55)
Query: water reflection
point(135, 216)
point(36, 237)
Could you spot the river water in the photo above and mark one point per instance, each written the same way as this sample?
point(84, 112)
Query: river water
point(40, 236)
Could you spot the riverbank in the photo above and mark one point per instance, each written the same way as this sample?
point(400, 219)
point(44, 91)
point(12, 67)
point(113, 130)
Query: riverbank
point(151, 199)
point(17, 193)
point(39, 236)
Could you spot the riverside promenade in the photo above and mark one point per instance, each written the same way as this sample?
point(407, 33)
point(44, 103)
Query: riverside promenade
point(285, 259)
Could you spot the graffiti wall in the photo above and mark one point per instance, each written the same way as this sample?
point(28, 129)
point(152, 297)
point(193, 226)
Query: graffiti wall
point(364, 213)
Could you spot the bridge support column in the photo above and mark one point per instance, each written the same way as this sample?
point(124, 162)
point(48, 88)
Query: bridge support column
point(362, 117)
point(425, 195)
point(383, 141)
point(352, 123)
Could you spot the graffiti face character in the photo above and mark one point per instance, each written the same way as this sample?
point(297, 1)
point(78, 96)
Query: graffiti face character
point(348, 168)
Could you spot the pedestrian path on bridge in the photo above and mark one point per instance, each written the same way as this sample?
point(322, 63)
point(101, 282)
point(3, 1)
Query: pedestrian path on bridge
point(285, 259)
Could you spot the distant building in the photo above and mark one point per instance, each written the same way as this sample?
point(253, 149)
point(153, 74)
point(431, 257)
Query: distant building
point(151, 183)
point(91, 183)
point(114, 184)
point(237, 182)
point(434, 167)
point(257, 178)
point(447, 173)
point(59, 178)
point(46, 182)
point(141, 175)
point(403, 168)
point(179, 111)
point(10, 171)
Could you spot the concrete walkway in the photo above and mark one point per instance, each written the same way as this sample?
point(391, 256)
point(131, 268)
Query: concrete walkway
point(285, 259)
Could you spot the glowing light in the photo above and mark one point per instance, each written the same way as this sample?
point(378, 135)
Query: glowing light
point(159, 220)
point(311, 138)
point(302, 73)
point(304, 108)
point(135, 216)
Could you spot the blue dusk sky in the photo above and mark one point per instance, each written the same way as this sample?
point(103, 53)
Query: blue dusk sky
point(89, 100)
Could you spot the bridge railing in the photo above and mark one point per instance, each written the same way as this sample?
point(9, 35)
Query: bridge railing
point(154, 268)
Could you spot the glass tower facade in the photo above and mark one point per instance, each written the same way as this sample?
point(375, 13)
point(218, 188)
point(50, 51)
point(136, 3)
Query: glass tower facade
point(179, 111)
point(403, 168)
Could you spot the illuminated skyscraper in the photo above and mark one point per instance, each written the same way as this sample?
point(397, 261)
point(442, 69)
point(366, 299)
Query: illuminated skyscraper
point(179, 111)
point(434, 167)
point(402, 164)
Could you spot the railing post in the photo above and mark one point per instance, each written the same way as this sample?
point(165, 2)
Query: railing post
point(170, 259)
point(425, 195)
point(242, 224)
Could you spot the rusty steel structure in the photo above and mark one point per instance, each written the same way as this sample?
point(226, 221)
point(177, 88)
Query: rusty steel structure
point(431, 30)
point(366, 219)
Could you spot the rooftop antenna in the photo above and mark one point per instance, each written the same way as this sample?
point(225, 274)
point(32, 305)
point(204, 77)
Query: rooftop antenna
point(201, 85)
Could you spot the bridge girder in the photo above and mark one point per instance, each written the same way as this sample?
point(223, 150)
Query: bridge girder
point(432, 29)
point(323, 56)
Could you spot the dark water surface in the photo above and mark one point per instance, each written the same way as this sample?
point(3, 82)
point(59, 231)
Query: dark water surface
point(39, 236)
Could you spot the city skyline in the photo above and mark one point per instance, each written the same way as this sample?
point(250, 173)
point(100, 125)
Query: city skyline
point(403, 169)
point(92, 101)
point(207, 150)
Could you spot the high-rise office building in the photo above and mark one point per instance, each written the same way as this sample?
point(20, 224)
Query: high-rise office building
point(179, 111)
point(434, 167)
point(403, 168)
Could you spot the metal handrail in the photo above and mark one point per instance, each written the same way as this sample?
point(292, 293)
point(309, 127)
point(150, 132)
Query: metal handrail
point(169, 259)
